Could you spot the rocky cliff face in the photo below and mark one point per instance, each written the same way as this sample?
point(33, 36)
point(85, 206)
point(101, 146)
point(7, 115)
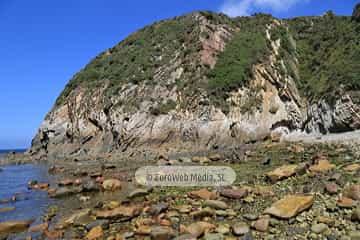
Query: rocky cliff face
point(156, 89)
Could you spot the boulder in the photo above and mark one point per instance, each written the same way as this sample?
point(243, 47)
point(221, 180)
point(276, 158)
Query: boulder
point(198, 229)
point(290, 206)
point(216, 204)
point(162, 233)
point(353, 192)
point(123, 212)
point(94, 233)
point(240, 229)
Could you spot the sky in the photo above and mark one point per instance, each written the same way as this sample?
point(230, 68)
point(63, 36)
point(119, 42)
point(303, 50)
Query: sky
point(44, 43)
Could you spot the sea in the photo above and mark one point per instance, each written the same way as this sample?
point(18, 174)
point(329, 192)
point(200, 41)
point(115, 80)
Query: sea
point(14, 183)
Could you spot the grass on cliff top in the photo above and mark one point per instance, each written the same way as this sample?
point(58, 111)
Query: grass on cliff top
point(137, 57)
point(328, 51)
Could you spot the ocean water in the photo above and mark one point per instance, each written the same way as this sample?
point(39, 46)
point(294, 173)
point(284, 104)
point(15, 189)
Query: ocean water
point(29, 204)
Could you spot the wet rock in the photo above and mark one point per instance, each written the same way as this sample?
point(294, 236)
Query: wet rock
point(39, 228)
point(331, 187)
point(158, 208)
point(66, 182)
point(203, 194)
point(123, 212)
point(353, 192)
point(290, 206)
point(79, 217)
point(216, 204)
point(234, 193)
point(282, 172)
point(14, 226)
point(322, 166)
point(103, 223)
point(198, 229)
point(65, 192)
point(7, 209)
point(261, 225)
point(138, 193)
point(162, 233)
point(240, 229)
point(111, 185)
point(40, 186)
point(319, 228)
point(90, 186)
point(95, 233)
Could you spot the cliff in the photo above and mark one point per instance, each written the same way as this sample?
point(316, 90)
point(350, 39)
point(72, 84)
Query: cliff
point(205, 80)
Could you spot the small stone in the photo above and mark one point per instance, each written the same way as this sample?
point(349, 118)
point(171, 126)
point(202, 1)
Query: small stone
point(356, 215)
point(90, 186)
point(216, 204)
point(240, 229)
point(250, 216)
point(95, 233)
point(203, 194)
point(158, 208)
point(103, 223)
point(162, 233)
point(206, 212)
point(331, 187)
point(345, 202)
point(290, 206)
point(223, 229)
point(138, 193)
point(261, 225)
point(185, 237)
point(352, 167)
point(184, 208)
point(319, 228)
point(197, 229)
point(213, 236)
point(201, 160)
point(124, 212)
point(234, 193)
point(215, 157)
point(326, 220)
point(111, 184)
point(353, 192)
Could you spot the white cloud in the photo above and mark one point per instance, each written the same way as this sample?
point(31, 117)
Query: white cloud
point(244, 7)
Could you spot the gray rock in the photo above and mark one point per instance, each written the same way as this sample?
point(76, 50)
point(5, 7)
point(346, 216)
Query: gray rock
point(103, 223)
point(319, 228)
point(162, 233)
point(158, 208)
point(240, 229)
point(90, 186)
point(216, 204)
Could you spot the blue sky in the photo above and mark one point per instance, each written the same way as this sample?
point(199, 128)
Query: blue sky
point(43, 43)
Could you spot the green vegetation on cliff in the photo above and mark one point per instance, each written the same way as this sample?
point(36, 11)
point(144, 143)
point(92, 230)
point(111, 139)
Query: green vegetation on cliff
point(328, 51)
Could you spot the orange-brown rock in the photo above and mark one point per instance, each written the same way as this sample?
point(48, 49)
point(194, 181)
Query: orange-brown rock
point(95, 233)
point(14, 226)
point(290, 206)
point(322, 166)
point(203, 194)
point(120, 212)
point(282, 172)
